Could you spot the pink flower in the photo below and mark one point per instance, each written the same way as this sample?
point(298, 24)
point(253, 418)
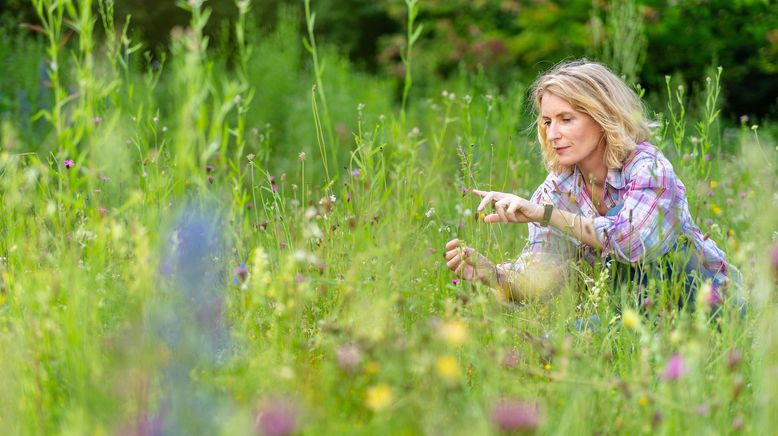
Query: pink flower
point(69, 163)
point(355, 173)
point(348, 357)
point(274, 187)
point(276, 418)
point(675, 368)
point(455, 281)
point(511, 415)
point(98, 120)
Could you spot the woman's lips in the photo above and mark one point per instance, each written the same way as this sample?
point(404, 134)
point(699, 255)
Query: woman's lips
point(561, 149)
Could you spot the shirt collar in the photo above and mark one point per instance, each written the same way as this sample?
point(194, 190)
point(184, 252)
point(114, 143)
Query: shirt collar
point(568, 180)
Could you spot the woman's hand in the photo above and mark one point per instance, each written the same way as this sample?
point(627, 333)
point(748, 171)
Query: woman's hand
point(468, 263)
point(509, 208)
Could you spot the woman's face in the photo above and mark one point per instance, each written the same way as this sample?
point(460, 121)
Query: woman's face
point(574, 136)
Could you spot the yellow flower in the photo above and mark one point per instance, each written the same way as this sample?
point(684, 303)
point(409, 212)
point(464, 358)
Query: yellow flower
point(715, 209)
point(454, 332)
point(630, 319)
point(643, 401)
point(713, 184)
point(371, 368)
point(448, 369)
point(379, 397)
point(547, 367)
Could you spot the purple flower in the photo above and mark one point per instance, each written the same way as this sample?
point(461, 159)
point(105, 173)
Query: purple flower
point(742, 195)
point(355, 173)
point(348, 357)
point(98, 120)
point(277, 418)
point(69, 163)
point(274, 187)
point(513, 415)
point(272, 179)
point(675, 368)
point(209, 168)
point(464, 191)
point(241, 272)
point(455, 281)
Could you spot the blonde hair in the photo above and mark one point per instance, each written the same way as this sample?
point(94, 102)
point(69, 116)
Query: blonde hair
point(593, 89)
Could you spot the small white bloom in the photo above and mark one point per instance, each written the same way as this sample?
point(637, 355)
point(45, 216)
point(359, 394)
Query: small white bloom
point(429, 212)
point(332, 198)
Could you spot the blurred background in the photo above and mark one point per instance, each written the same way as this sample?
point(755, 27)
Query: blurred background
point(506, 39)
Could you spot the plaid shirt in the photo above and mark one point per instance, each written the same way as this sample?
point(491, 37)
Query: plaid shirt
point(647, 213)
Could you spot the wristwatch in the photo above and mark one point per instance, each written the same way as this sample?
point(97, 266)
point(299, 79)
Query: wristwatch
point(548, 208)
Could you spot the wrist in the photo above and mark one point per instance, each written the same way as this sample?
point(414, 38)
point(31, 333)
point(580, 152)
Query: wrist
point(545, 217)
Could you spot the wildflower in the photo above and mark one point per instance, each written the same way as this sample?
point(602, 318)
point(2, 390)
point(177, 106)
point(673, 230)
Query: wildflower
point(675, 368)
point(98, 120)
point(283, 244)
point(516, 416)
point(301, 156)
point(250, 157)
point(276, 418)
point(715, 209)
point(274, 188)
point(209, 168)
point(448, 369)
point(464, 191)
point(102, 211)
point(372, 368)
point(355, 173)
point(737, 386)
point(272, 179)
point(630, 319)
point(455, 281)
point(743, 119)
point(210, 179)
point(429, 212)
point(379, 397)
point(454, 332)
point(241, 272)
point(644, 400)
point(69, 163)
point(742, 195)
point(713, 184)
point(104, 178)
point(348, 357)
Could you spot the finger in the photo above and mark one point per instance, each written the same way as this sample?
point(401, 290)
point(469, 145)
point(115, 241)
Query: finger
point(458, 270)
point(480, 193)
point(487, 199)
point(452, 244)
point(454, 263)
point(511, 210)
point(492, 218)
point(450, 254)
point(501, 212)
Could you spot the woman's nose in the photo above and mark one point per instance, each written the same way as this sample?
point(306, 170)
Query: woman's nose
point(552, 132)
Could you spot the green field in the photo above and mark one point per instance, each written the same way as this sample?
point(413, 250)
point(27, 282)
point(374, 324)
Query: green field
point(250, 241)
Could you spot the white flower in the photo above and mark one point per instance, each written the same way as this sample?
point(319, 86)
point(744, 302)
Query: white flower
point(429, 212)
point(332, 198)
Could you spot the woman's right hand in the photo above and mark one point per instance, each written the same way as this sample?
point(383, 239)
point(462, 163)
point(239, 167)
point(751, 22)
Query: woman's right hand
point(468, 263)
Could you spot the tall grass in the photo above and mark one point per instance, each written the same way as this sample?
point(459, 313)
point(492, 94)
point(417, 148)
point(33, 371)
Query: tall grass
point(200, 269)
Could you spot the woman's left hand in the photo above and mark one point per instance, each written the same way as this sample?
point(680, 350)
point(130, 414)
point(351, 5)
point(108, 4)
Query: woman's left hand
point(509, 208)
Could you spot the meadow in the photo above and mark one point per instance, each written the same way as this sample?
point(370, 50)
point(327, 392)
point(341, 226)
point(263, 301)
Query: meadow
point(249, 240)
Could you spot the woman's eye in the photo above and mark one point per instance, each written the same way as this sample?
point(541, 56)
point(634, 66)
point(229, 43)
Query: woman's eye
point(567, 120)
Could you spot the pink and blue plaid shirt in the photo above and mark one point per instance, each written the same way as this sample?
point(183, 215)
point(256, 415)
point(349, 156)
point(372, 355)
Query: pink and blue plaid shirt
point(647, 213)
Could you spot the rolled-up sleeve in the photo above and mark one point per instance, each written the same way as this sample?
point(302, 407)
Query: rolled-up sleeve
point(648, 223)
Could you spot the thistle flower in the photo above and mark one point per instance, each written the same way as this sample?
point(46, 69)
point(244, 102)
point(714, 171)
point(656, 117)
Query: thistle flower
point(516, 416)
point(69, 163)
point(348, 357)
point(209, 168)
point(675, 368)
point(277, 418)
point(241, 272)
point(355, 173)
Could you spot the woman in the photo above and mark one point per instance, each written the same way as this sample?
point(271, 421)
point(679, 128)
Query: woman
point(608, 191)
